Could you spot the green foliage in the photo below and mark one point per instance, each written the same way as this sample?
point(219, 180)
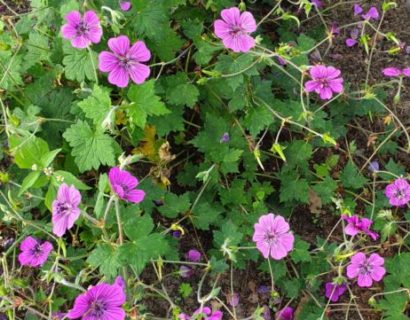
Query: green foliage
point(216, 139)
point(144, 102)
point(90, 147)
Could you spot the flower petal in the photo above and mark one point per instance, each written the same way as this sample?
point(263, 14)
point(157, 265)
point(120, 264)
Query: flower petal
point(139, 52)
point(139, 72)
point(119, 45)
point(119, 76)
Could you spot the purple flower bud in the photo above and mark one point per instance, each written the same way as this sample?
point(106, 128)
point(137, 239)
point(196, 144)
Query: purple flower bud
point(177, 234)
point(262, 289)
point(351, 42)
point(233, 299)
point(225, 138)
point(317, 3)
point(266, 315)
point(125, 5)
point(357, 9)
point(374, 166)
point(281, 61)
point(334, 29)
point(193, 255)
point(186, 272)
point(408, 49)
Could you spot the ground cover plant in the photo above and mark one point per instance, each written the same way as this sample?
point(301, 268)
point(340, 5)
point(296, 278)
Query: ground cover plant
point(204, 159)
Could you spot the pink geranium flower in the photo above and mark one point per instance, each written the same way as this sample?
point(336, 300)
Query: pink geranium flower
point(285, 314)
point(234, 29)
point(366, 270)
point(123, 184)
point(356, 225)
point(272, 236)
point(82, 30)
point(103, 301)
point(334, 291)
point(393, 72)
point(125, 5)
point(34, 253)
point(193, 255)
point(325, 81)
point(124, 62)
point(65, 209)
point(372, 14)
point(398, 192)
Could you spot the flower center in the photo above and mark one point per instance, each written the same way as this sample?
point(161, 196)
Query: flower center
point(64, 208)
point(97, 309)
point(365, 268)
point(399, 194)
point(271, 237)
point(323, 83)
point(125, 62)
point(37, 251)
point(236, 31)
point(82, 28)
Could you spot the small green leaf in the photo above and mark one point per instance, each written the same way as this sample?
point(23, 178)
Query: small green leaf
point(91, 148)
point(28, 181)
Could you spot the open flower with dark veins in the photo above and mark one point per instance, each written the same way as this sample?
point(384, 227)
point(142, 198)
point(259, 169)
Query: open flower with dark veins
point(125, 61)
point(234, 29)
point(101, 302)
point(398, 192)
point(366, 270)
point(272, 236)
point(325, 81)
point(82, 30)
point(65, 209)
point(34, 253)
point(123, 184)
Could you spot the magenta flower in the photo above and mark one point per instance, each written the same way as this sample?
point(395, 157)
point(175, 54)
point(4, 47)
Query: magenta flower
point(350, 42)
point(356, 225)
point(124, 62)
point(123, 184)
point(398, 192)
point(393, 72)
point(366, 270)
point(334, 291)
point(234, 29)
point(285, 314)
point(103, 301)
point(272, 236)
point(125, 5)
point(34, 253)
point(372, 14)
point(357, 9)
point(193, 255)
point(65, 209)
point(325, 81)
point(204, 314)
point(82, 31)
